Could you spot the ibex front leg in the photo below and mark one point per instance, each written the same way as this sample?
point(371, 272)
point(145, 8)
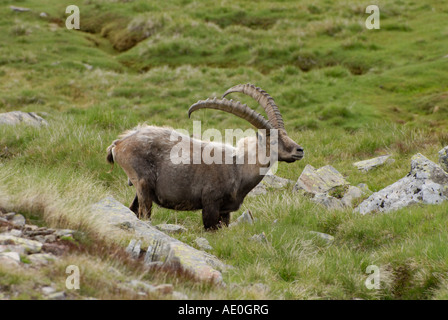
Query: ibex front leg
point(210, 215)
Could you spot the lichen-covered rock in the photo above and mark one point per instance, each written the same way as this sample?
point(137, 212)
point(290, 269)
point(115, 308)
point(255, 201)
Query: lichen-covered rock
point(319, 181)
point(443, 158)
point(203, 244)
point(30, 246)
point(202, 265)
point(369, 164)
point(426, 183)
point(16, 117)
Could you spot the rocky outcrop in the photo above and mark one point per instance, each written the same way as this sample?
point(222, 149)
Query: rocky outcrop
point(367, 165)
point(16, 117)
point(327, 187)
point(160, 246)
point(426, 183)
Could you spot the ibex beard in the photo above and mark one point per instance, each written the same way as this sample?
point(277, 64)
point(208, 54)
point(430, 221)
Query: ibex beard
point(146, 154)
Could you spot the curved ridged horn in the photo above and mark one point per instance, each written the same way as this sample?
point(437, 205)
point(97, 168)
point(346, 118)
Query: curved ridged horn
point(264, 99)
point(234, 107)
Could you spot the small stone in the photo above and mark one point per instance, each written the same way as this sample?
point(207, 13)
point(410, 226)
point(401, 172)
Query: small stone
point(350, 195)
point(10, 259)
point(47, 290)
point(57, 296)
point(19, 9)
point(9, 215)
point(170, 228)
point(12, 248)
point(64, 233)
point(43, 15)
point(203, 244)
point(367, 165)
point(137, 284)
point(246, 217)
point(325, 236)
point(18, 220)
point(164, 288)
point(31, 246)
point(328, 201)
point(41, 258)
point(50, 238)
point(15, 232)
point(259, 237)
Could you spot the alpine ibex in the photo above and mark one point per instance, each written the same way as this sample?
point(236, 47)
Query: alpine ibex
point(216, 188)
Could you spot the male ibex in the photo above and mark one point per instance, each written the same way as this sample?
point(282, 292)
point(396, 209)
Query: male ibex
point(216, 188)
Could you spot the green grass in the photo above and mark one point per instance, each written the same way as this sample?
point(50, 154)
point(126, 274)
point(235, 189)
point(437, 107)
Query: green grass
point(346, 94)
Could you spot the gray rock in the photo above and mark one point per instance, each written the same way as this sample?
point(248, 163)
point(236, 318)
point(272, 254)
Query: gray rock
point(203, 244)
point(41, 259)
point(426, 183)
point(443, 158)
point(9, 215)
point(57, 296)
point(47, 290)
point(246, 217)
point(259, 237)
point(30, 246)
point(9, 259)
point(15, 232)
point(134, 248)
point(12, 248)
point(369, 164)
point(64, 233)
point(50, 238)
point(350, 195)
point(170, 228)
point(16, 117)
point(319, 181)
point(14, 256)
point(18, 220)
point(325, 236)
point(328, 201)
point(171, 251)
point(19, 9)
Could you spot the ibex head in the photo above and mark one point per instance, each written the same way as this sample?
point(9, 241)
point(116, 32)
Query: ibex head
point(287, 149)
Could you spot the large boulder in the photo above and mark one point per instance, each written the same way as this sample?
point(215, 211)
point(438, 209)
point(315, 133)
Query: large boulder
point(16, 117)
point(427, 183)
point(200, 264)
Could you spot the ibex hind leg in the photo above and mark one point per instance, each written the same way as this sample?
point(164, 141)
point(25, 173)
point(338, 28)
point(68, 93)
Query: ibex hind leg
point(224, 219)
point(144, 200)
point(134, 205)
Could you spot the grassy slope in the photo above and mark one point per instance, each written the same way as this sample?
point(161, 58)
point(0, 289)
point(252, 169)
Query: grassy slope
point(346, 93)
